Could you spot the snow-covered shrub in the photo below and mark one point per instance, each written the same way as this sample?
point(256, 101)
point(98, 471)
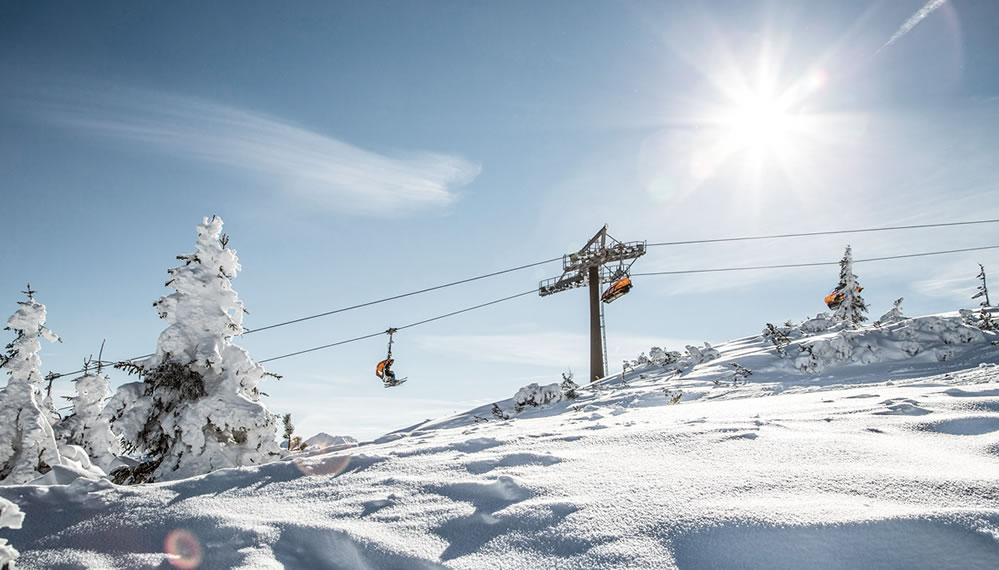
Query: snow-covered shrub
point(292, 442)
point(820, 323)
point(932, 328)
point(197, 406)
point(777, 337)
point(985, 320)
point(498, 412)
point(88, 426)
point(894, 315)
point(823, 352)
point(982, 320)
point(671, 360)
point(851, 309)
point(536, 395)
point(10, 517)
point(672, 397)
point(642, 360)
point(663, 357)
point(28, 447)
point(568, 386)
point(741, 373)
point(967, 316)
point(696, 355)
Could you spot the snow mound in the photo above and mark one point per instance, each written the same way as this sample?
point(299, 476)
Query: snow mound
point(323, 440)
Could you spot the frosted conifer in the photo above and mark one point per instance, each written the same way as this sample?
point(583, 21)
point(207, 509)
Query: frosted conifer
point(197, 407)
point(983, 290)
point(28, 448)
point(851, 309)
point(89, 426)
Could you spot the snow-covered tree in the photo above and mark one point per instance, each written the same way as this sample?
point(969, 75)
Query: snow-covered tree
point(28, 448)
point(10, 517)
point(983, 289)
point(197, 407)
point(851, 308)
point(89, 426)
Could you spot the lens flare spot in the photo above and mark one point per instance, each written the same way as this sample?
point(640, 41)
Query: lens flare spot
point(317, 466)
point(817, 79)
point(183, 549)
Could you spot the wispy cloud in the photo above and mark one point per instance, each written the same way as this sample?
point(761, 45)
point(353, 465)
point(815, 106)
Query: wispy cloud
point(919, 16)
point(314, 166)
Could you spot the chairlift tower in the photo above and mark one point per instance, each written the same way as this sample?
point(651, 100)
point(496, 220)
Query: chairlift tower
point(602, 260)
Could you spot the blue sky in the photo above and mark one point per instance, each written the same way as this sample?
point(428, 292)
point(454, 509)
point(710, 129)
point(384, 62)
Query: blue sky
point(362, 150)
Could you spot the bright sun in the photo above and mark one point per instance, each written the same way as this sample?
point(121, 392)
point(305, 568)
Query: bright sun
point(762, 127)
point(759, 122)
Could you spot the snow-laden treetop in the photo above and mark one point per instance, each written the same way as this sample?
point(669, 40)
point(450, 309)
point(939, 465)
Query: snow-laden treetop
point(204, 310)
point(28, 322)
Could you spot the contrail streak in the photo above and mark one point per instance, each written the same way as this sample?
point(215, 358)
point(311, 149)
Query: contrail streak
point(911, 22)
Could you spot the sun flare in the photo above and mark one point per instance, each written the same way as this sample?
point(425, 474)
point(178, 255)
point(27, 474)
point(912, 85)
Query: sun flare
point(760, 130)
point(759, 122)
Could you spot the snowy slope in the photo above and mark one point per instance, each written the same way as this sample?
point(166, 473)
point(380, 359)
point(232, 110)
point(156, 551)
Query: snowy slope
point(887, 456)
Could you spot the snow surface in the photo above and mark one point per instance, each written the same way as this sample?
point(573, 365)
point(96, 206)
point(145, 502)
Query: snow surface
point(886, 457)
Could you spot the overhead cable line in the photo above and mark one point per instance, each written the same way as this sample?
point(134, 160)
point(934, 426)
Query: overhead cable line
point(687, 242)
point(823, 233)
point(428, 289)
point(816, 264)
point(355, 339)
point(418, 323)
point(532, 291)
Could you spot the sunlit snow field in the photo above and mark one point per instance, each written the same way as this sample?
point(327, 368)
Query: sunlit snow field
point(885, 455)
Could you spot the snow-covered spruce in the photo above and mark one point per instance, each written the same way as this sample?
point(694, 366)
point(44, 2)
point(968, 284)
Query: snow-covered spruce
point(10, 517)
point(197, 408)
point(851, 309)
point(28, 447)
point(89, 426)
point(983, 289)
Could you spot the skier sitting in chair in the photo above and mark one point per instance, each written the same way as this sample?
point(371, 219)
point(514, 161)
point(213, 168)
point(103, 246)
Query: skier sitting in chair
point(385, 372)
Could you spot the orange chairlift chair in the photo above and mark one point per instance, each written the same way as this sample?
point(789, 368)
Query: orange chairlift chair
point(384, 370)
point(617, 290)
point(834, 299)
